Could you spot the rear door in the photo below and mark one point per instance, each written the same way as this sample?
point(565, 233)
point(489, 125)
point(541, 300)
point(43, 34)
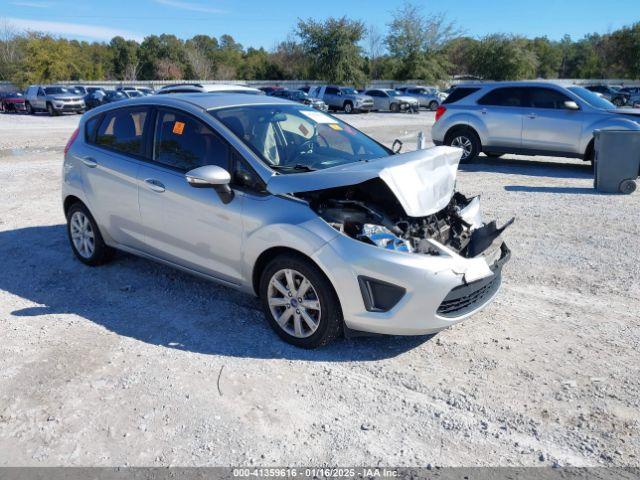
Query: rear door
point(185, 225)
point(548, 125)
point(502, 111)
point(111, 158)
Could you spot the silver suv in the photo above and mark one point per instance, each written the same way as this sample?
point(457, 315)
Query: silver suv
point(529, 118)
point(333, 231)
point(54, 99)
point(342, 98)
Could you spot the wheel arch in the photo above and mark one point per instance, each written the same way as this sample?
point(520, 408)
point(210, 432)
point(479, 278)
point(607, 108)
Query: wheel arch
point(461, 126)
point(270, 253)
point(70, 200)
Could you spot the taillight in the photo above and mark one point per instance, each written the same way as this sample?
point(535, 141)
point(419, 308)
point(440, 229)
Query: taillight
point(440, 111)
point(74, 135)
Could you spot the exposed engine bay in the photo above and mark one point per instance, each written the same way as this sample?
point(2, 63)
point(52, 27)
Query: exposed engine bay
point(369, 212)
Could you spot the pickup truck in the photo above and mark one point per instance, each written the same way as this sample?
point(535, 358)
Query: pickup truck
point(342, 98)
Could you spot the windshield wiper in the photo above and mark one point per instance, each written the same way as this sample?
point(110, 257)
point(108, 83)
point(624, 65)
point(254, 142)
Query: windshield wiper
point(297, 167)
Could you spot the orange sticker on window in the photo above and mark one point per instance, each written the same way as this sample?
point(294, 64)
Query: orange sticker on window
point(178, 128)
point(335, 126)
point(303, 130)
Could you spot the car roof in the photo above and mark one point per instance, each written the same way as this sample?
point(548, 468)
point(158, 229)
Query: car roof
point(511, 84)
point(209, 101)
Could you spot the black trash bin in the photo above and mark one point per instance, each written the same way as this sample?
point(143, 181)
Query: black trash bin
point(616, 160)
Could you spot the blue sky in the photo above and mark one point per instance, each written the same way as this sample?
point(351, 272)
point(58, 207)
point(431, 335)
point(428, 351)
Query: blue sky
point(265, 22)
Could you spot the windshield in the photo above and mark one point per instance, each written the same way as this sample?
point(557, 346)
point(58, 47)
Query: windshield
point(55, 90)
point(292, 138)
point(591, 98)
point(348, 91)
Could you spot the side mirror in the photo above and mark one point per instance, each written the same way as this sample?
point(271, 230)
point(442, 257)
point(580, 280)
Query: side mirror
point(571, 105)
point(396, 146)
point(211, 176)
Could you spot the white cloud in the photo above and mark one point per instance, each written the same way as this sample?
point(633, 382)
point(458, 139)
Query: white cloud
point(64, 29)
point(194, 7)
point(32, 4)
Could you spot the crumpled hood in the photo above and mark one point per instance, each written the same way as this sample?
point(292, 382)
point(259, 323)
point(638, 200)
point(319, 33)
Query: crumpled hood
point(423, 181)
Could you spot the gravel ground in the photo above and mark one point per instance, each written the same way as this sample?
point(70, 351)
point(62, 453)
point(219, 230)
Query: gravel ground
point(138, 364)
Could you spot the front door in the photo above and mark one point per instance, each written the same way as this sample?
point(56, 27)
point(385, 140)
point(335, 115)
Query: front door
point(184, 225)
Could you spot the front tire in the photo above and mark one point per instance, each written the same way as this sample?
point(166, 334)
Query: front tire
point(84, 236)
point(468, 141)
point(300, 302)
point(50, 110)
point(433, 105)
point(394, 108)
point(348, 107)
point(30, 110)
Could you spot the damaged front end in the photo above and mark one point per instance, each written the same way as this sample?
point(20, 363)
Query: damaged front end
point(369, 213)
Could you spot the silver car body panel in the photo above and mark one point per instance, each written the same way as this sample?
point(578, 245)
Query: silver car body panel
point(190, 229)
point(423, 181)
point(540, 131)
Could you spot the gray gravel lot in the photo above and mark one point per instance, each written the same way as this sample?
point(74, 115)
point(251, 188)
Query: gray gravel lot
point(138, 364)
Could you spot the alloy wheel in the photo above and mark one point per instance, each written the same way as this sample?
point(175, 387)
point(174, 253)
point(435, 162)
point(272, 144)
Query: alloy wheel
point(294, 303)
point(82, 235)
point(464, 143)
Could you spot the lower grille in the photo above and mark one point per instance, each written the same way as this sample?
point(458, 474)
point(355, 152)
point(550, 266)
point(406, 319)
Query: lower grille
point(466, 298)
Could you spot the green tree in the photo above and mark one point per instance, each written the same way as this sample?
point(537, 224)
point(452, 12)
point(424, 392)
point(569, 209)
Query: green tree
point(417, 41)
point(549, 56)
point(333, 50)
point(125, 56)
point(503, 57)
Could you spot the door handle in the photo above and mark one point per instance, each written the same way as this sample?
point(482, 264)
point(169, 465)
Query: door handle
point(155, 185)
point(89, 162)
point(483, 111)
point(532, 115)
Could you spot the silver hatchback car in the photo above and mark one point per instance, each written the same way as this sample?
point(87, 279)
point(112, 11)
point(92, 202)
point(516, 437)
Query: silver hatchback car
point(529, 118)
point(332, 230)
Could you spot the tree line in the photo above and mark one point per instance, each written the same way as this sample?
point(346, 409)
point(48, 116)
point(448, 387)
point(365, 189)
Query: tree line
point(415, 46)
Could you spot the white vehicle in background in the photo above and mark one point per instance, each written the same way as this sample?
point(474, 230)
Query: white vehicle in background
point(428, 97)
point(387, 99)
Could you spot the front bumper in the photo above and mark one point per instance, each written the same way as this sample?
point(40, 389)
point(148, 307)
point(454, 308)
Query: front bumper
point(69, 107)
point(439, 291)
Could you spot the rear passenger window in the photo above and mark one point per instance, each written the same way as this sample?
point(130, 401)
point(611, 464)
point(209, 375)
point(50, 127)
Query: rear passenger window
point(90, 129)
point(504, 97)
point(184, 143)
point(123, 130)
point(459, 93)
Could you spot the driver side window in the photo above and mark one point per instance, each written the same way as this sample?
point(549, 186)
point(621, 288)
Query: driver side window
point(183, 143)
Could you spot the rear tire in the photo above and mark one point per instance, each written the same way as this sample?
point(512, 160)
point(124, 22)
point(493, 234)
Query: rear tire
point(433, 105)
point(280, 290)
point(29, 108)
point(394, 107)
point(85, 238)
point(466, 139)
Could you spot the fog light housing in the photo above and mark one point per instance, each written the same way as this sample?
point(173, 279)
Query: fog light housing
point(379, 296)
